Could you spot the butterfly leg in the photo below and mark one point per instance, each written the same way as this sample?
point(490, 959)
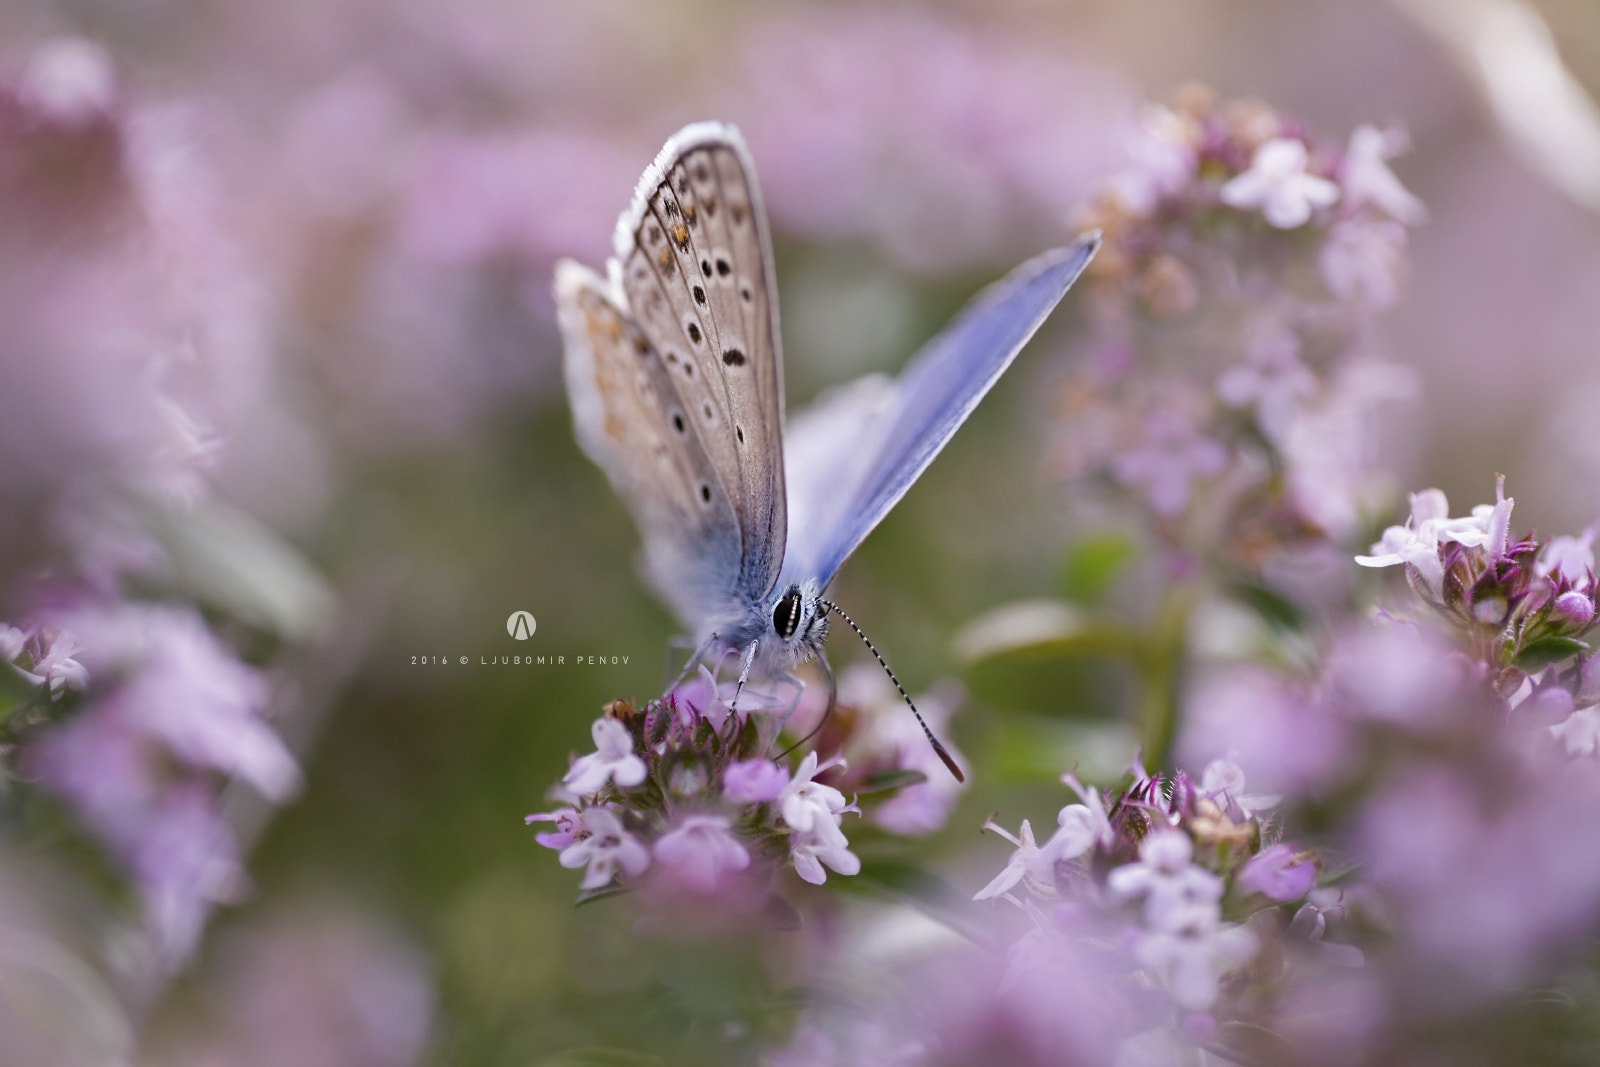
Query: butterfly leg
point(681, 643)
point(833, 698)
point(745, 664)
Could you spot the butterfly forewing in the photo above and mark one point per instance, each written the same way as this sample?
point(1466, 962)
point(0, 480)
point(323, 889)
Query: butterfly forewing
point(896, 429)
point(696, 271)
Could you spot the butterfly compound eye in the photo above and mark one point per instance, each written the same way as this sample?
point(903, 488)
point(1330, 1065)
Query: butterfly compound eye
point(786, 616)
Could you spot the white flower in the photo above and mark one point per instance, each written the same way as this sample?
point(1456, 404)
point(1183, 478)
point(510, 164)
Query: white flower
point(1023, 861)
point(614, 761)
point(1192, 951)
point(1362, 260)
point(824, 844)
point(58, 669)
point(806, 804)
point(1310, 924)
point(1495, 520)
point(1417, 542)
point(604, 849)
point(1223, 783)
point(1570, 558)
point(12, 641)
point(815, 812)
point(701, 849)
point(1367, 179)
point(1162, 150)
point(1079, 828)
point(1278, 184)
point(1164, 877)
point(70, 80)
point(1580, 733)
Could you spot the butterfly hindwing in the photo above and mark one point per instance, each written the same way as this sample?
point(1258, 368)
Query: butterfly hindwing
point(632, 422)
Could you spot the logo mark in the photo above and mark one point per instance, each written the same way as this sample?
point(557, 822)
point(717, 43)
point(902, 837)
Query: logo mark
point(521, 625)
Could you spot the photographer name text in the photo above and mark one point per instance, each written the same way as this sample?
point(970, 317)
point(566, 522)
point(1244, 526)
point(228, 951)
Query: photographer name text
point(522, 661)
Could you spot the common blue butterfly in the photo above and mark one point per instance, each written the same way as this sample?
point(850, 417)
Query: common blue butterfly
point(675, 376)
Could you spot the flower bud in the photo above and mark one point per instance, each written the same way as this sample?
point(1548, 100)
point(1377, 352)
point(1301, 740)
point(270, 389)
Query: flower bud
point(1573, 611)
point(1489, 608)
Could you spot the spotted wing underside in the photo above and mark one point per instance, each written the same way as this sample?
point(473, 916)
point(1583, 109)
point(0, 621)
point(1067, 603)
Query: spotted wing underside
point(675, 377)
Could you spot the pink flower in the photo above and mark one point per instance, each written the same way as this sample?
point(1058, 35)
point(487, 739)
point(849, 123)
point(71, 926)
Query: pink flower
point(1362, 260)
point(1172, 456)
point(606, 849)
point(701, 850)
point(1277, 873)
point(569, 827)
point(892, 737)
point(1278, 184)
point(699, 694)
point(754, 781)
point(1272, 379)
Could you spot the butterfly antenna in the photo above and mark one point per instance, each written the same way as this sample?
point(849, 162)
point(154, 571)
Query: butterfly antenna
point(833, 698)
point(934, 741)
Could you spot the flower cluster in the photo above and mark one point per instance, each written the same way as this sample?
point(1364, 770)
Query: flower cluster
point(684, 795)
point(1150, 921)
point(1230, 377)
point(1180, 867)
point(1517, 607)
point(122, 284)
point(170, 717)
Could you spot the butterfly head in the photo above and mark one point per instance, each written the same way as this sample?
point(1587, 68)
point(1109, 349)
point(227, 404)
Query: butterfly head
point(800, 621)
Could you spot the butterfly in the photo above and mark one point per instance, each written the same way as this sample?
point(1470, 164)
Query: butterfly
point(675, 376)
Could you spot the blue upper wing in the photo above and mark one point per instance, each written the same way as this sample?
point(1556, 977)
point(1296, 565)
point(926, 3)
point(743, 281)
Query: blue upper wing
point(853, 455)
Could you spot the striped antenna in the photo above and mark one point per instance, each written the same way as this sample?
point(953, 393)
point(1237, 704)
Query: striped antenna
point(934, 741)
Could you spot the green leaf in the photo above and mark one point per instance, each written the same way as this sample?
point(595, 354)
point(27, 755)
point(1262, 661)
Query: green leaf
point(15, 691)
point(1250, 1045)
point(1032, 749)
point(600, 1056)
point(916, 887)
point(1274, 608)
point(884, 781)
point(226, 558)
point(1040, 629)
point(1080, 688)
point(777, 913)
point(749, 744)
point(1548, 650)
point(589, 896)
point(1093, 564)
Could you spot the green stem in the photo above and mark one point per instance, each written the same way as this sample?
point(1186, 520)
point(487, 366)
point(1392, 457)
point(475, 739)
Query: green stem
point(1161, 662)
